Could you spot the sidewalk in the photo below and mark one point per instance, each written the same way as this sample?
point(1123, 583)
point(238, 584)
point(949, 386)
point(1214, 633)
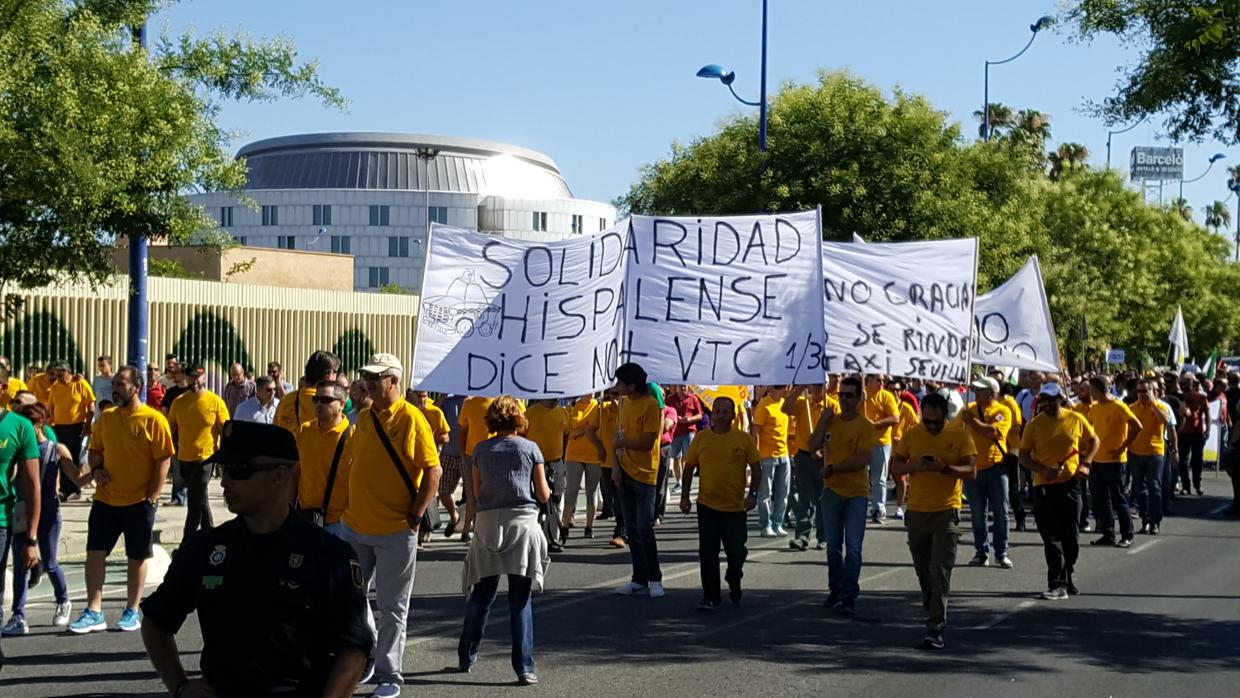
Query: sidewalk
point(169, 523)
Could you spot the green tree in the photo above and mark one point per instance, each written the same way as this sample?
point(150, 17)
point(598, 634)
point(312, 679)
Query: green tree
point(1218, 216)
point(1189, 50)
point(1180, 206)
point(170, 268)
point(1032, 128)
point(1002, 119)
point(100, 139)
point(395, 290)
point(892, 167)
point(1068, 157)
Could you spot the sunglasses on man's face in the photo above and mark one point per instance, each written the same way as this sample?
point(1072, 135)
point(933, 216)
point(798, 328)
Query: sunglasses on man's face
point(324, 399)
point(848, 396)
point(374, 377)
point(244, 471)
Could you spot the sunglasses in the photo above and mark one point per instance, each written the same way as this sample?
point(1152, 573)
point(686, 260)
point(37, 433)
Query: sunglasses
point(324, 399)
point(244, 471)
point(848, 396)
point(367, 376)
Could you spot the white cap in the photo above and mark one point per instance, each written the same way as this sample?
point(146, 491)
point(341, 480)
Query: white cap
point(1051, 390)
point(384, 364)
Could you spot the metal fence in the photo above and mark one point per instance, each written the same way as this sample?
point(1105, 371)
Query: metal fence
point(218, 323)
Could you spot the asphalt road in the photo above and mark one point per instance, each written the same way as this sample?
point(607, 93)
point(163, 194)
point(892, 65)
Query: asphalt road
point(1160, 618)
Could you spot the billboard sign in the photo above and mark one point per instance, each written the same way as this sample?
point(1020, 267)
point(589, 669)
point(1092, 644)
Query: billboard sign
point(1156, 164)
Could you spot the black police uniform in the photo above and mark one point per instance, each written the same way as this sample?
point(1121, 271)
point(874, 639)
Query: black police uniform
point(275, 609)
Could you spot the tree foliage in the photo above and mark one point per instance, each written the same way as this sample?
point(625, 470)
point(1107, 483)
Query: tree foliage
point(1189, 55)
point(894, 168)
point(100, 139)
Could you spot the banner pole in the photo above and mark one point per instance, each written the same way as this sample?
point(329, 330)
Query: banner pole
point(426, 263)
point(968, 367)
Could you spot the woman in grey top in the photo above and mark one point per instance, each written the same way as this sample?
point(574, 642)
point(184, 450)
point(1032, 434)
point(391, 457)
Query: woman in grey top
point(509, 481)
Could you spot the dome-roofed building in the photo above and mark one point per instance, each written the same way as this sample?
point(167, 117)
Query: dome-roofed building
point(372, 194)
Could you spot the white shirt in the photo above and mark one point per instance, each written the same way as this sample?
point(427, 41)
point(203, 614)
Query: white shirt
point(102, 387)
point(252, 411)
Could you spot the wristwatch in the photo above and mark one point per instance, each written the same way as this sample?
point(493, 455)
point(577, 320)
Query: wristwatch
point(32, 541)
point(753, 493)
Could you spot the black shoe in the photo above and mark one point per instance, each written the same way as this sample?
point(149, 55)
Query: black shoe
point(1124, 543)
point(1145, 528)
point(933, 640)
point(832, 601)
point(588, 533)
point(1072, 590)
point(847, 608)
point(450, 528)
point(603, 516)
point(1200, 493)
point(1020, 526)
point(1105, 540)
point(1153, 529)
point(735, 593)
point(1185, 490)
point(708, 605)
point(555, 548)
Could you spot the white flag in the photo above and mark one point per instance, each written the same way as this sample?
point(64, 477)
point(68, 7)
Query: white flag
point(1012, 324)
point(1179, 337)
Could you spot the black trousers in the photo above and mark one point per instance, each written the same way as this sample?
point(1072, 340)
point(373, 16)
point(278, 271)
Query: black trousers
point(715, 528)
point(1056, 509)
point(1192, 448)
point(197, 510)
point(611, 494)
point(1017, 476)
point(1106, 482)
point(71, 436)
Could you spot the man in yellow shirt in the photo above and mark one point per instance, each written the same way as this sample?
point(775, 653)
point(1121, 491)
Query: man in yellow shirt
point(804, 407)
point(722, 455)
point(908, 419)
point(548, 427)
point(1117, 428)
point(395, 476)
point(71, 404)
point(298, 407)
point(988, 421)
point(39, 383)
point(637, 454)
point(770, 432)
point(936, 457)
point(883, 411)
point(1146, 456)
point(10, 385)
point(197, 419)
point(605, 435)
point(473, 431)
point(582, 460)
point(848, 441)
point(1057, 446)
point(1018, 479)
point(438, 422)
point(325, 460)
point(129, 459)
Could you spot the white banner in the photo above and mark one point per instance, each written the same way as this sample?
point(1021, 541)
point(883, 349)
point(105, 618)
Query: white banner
point(1012, 324)
point(726, 300)
point(903, 309)
point(524, 318)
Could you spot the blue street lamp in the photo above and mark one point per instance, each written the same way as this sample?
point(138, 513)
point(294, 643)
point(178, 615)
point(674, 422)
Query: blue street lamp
point(717, 72)
point(1042, 23)
point(137, 311)
point(1213, 159)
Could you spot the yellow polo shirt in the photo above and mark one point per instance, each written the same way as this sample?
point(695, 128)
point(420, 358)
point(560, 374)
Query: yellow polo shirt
point(772, 426)
point(437, 420)
point(473, 418)
point(294, 410)
point(584, 414)
point(996, 415)
point(1053, 441)
point(1018, 421)
point(1153, 423)
point(608, 419)
point(881, 405)
point(1110, 421)
point(930, 491)
point(315, 448)
point(548, 428)
point(722, 461)
point(379, 502)
point(131, 443)
point(847, 438)
point(908, 420)
point(800, 415)
point(640, 416)
point(198, 419)
point(12, 387)
point(39, 383)
point(73, 403)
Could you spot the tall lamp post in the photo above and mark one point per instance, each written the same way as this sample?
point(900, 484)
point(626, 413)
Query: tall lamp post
point(1213, 159)
point(1234, 186)
point(1042, 23)
point(426, 155)
point(136, 343)
point(1116, 133)
point(717, 72)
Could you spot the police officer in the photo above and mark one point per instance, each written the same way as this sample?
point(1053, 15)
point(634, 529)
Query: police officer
point(279, 600)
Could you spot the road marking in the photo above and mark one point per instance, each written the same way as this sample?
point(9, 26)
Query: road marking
point(1003, 616)
point(1145, 546)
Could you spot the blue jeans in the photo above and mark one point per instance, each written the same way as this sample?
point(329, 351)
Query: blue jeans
point(879, 459)
point(989, 491)
point(49, 539)
point(773, 496)
point(1147, 486)
point(1168, 481)
point(521, 619)
point(637, 501)
point(809, 494)
point(843, 519)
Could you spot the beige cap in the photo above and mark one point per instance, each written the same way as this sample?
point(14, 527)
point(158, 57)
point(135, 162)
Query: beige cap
point(384, 364)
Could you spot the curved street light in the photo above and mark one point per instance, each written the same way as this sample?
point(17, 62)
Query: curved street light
point(717, 72)
point(1042, 23)
point(1213, 159)
point(1116, 133)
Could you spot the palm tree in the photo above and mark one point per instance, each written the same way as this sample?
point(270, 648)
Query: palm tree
point(1181, 207)
point(1001, 119)
point(1066, 158)
point(1218, 216)
point(1033, 127)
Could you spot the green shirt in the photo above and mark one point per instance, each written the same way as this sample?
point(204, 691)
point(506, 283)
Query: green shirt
point(17, 445)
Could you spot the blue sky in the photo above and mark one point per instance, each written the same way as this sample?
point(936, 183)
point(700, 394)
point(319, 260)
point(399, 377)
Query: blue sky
point(603, 87)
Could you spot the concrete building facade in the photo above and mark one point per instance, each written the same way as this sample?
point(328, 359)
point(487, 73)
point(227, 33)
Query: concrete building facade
point(372, 195)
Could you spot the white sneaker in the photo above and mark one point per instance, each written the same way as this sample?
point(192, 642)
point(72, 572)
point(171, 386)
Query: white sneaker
point(656, 590)
point(632, 588)
point(61, 617)
point(768, 532)
point(899, 512)
point(779, 531)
